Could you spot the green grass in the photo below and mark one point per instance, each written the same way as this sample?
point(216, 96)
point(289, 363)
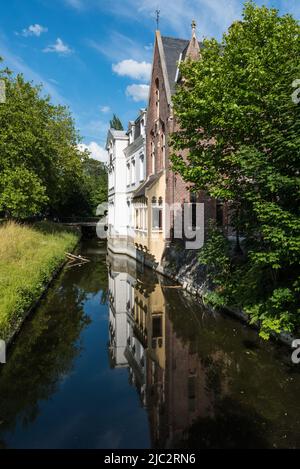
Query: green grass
point(29, 255)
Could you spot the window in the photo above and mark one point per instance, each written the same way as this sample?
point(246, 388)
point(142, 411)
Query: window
point(194, 210)
point(152, 157)
point(131, 134)
point(156, 327)
point(219, 214)
point(132, 171)
point(141, 167)
point(163, 146)
point(157, 97)
point(192, 392)
point(157, 214)
point(141, 218)
point(111, 177)
point(128, 174)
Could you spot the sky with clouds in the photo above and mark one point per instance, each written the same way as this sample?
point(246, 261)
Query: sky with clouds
point(95, 55)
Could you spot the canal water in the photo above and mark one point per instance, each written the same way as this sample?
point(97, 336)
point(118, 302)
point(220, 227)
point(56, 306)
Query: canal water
point(116, 357)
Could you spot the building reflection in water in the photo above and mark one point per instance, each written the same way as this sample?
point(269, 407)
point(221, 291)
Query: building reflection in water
point(169, 377)
point(205, 379)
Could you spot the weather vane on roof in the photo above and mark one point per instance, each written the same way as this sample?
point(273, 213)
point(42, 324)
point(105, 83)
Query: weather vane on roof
point(157, 18)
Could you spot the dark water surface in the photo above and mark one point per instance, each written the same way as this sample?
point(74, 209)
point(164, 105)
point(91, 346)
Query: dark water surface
point(115, 358)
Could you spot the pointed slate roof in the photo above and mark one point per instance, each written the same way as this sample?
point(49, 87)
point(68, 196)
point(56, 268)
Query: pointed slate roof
point(173, 47)
point(174, 50)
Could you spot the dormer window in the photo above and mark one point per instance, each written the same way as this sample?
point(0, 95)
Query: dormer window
point(142, 126)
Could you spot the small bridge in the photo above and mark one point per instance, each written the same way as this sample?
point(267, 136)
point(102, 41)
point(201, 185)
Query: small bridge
point(80, 222)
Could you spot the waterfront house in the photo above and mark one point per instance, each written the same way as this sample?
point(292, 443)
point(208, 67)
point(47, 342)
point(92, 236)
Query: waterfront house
point(126, 171)
point(159, 201)
point(150, 195)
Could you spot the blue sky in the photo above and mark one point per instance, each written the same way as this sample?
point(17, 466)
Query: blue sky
point(95, 55)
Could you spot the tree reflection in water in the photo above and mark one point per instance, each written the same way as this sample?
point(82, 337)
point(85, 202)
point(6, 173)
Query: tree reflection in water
point(44, 353)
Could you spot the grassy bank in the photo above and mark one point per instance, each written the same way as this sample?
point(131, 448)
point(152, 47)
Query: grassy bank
point(29, 255)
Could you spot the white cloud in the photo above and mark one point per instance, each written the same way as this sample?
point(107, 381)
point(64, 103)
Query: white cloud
point(97, 152)
point(213, 16)
point(93, 129)
point(16, 63)
point(77, 4)
point(104, 109)
point(133, 69)
point(34, 30)
point(59, 47)
point(119, 47)
point(55, 82)
point(138, 92)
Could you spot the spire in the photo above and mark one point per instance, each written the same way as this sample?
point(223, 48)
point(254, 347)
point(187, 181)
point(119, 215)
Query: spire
point(157, 12)
point(193, 50)
point(194, 25)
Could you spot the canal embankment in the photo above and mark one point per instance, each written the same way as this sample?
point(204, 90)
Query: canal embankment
point(183, 266)
point(30, 257)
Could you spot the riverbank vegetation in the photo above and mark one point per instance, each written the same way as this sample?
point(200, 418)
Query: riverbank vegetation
point(29, 255)
point(42, 169)
point(238, 111)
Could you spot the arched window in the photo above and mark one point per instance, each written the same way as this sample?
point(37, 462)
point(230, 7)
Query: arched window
point(157, 97)
point(152, 156)
point(163, 145)
point(141, 156)
point(128, 174)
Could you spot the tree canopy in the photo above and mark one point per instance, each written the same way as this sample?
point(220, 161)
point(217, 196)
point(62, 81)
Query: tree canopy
point(115, 123)
point(242, 128)
point(42, 170)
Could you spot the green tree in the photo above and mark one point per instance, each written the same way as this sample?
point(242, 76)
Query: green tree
point(115, 123)
point(21, 193)
point(242, 129)
point(41, 138)
point(96, 175)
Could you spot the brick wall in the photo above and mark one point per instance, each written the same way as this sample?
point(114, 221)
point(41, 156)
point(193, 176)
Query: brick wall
point(176, 189)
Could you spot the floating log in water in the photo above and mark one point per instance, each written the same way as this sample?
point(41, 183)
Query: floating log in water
point(72, 257)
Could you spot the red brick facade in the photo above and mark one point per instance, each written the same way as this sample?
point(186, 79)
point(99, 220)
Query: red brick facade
point(159, 127)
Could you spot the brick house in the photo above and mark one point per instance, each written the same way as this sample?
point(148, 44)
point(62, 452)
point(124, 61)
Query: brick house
point(163, 190)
